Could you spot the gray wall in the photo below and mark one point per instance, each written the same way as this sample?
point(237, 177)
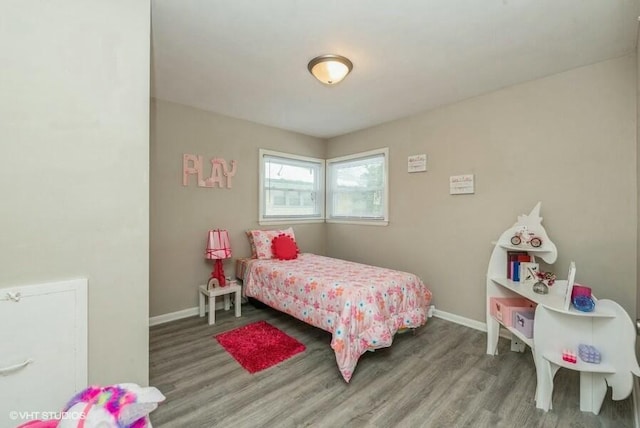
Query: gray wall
point(568, 140)
point(181, 216)
point(74, 165)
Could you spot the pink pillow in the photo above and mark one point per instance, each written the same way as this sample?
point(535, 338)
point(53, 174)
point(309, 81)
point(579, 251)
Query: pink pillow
point(252, 244)
point(262, 241)
point(284, 247)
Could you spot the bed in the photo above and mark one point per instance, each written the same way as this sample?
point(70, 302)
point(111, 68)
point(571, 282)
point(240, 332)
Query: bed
point(362, 306)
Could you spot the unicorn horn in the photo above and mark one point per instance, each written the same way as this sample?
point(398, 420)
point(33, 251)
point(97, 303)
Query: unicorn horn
point(535, 212)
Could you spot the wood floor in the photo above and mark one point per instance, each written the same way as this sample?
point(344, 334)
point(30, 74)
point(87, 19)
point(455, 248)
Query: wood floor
point(438, 377)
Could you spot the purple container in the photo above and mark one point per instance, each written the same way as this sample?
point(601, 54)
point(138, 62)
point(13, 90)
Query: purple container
point(523, 322)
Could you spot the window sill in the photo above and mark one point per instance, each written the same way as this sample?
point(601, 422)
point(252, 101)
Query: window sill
point(291, 221)
point(360, 222)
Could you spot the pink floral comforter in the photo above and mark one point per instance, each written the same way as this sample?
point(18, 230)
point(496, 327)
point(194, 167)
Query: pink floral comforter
point(362, 306)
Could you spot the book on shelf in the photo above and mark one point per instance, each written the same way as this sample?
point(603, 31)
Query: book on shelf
point(514, 258)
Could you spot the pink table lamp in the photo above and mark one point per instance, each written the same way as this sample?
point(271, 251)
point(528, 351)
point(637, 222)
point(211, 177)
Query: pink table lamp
point(218, 249)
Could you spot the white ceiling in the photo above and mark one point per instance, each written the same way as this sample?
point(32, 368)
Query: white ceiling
point(248, 58)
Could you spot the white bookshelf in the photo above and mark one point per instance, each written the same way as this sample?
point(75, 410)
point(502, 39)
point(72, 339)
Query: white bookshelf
point(608, 327)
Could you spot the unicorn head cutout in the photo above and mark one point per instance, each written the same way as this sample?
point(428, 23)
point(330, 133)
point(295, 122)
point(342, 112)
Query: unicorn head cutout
point(531, 225)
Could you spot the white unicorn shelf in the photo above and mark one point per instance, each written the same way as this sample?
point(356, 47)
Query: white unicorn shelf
point(609, 328)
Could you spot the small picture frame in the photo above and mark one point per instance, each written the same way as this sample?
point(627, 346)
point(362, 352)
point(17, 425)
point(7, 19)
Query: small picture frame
point(529, 273)
point(213, 283)
point(571, 278)
point(417, 163)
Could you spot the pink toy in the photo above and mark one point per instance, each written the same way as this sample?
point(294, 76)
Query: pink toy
point(580, 290)
point(569, 356)
point(125, 405)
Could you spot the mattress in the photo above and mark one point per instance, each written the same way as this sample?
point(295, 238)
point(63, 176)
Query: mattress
point(242, 265)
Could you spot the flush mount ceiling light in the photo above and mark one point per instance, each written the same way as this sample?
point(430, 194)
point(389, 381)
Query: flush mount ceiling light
point(330, 69)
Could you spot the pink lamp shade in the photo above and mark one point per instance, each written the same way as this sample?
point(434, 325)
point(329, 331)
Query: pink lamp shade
point(218, 248)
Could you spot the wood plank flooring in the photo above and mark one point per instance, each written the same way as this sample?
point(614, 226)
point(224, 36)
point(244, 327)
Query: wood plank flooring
point(438, 377)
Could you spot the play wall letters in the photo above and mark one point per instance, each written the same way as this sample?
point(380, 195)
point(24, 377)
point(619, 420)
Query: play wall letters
point(220, 174)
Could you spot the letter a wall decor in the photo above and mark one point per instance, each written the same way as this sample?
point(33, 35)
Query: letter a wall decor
point(220, 175)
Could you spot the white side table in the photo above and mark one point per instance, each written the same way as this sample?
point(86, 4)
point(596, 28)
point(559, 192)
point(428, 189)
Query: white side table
point(225, 291)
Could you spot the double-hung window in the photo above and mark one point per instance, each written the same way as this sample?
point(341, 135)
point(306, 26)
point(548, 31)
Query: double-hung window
point(291, 188)
point(358, 188)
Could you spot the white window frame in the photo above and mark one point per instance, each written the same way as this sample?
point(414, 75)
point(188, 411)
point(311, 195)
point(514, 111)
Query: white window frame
point(330, 218)
point(263, 219)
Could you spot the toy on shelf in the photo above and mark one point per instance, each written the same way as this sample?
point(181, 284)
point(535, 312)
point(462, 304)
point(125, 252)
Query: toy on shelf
point(584, 303)
point(523, 236)
point(569, 356)
point(589, 354)
point(582, 299)
point(580, 290)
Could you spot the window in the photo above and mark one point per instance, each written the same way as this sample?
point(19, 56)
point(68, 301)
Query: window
point(357, 188)
point(291, 188)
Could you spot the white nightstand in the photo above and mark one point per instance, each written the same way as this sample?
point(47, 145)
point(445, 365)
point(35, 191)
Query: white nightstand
point(231, 287)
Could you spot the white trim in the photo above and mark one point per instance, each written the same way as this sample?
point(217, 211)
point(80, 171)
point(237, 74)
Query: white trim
point(278, 222)
point(173, 316)
point(636, 402)
point(360, 222)
point(329, 188)
point(190, 312)
point(374, 152)
point(81, 286)
point(468, 322)
point(447, 316)
point(283, 155)
point(185, 313)
point(320, 191)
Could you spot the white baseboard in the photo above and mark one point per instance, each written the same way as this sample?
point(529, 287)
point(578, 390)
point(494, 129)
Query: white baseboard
point(468, 322)
point(173, 316)
point(460, 320)
point(190, 312)
point(185, 313)
point(448, 316)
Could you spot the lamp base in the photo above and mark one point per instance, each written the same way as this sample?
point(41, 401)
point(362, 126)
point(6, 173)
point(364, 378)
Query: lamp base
point(218, 273)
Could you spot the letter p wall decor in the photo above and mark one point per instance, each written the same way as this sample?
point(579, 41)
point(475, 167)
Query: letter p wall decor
point(220, 175)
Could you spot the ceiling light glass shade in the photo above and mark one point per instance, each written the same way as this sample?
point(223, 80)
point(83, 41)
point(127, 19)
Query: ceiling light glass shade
point(330, 69)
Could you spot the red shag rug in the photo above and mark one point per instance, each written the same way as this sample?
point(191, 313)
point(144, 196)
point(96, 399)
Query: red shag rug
point(259, 345)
